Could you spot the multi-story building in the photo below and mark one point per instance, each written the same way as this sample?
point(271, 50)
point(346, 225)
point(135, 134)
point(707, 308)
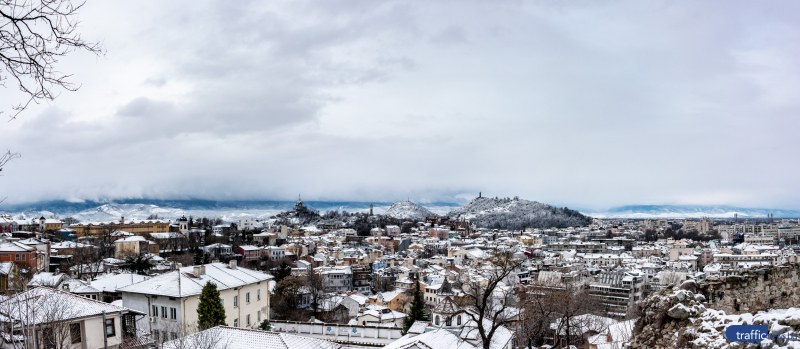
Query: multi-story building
point(171, 299)
point(22, 255)
point(248, 252)
point(617, 292)
point(55, 319)
point(336, 279)
point(745, 260)
point(138, 228)
point(131, 246)
point(274, 253)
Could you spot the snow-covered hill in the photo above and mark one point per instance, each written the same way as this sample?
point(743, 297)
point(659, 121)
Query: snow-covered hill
point(517, 213)
point(408, 210)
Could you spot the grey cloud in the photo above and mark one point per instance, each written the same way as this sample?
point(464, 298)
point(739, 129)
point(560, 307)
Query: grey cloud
point(591, 104)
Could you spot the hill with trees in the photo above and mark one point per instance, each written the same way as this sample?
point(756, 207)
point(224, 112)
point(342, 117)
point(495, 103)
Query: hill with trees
point(516, 213)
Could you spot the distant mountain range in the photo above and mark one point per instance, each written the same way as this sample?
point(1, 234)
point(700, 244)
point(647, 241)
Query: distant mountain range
point(485, 211)
point(692, 211)
point(229, 210)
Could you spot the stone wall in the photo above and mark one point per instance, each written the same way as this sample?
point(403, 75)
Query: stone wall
point(754, 290)
point(666, 319)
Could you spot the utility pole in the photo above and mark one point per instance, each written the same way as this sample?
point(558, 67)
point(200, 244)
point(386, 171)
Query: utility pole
point(105, 332)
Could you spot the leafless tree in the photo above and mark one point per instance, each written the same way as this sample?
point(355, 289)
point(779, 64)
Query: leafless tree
point(286, 299)
point(5, 158)
point(489, 295)
point(189, 338)
point(40, 315)
point(538, 310)
point(575, 307)
point(316, 286)
point(34, 35)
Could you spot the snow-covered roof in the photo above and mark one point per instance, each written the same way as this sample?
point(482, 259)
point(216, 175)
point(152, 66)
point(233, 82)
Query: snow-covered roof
point(44, 304)
point(237, 338)
point(111, 282)
point(15, 247)
point(6, 267)
point(438, 339)
point(184, 283)
point(131, 238)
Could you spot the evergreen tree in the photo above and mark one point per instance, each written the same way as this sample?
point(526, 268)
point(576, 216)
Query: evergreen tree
point(210, 311)
point(417, 308)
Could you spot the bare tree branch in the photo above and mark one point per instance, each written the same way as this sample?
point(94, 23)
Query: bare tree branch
point(34, 35)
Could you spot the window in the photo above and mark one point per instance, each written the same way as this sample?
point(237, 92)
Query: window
point(235, 301)
point(258, 294)
point(247, 320)
point(75, 332)
point(458, 320)
point(163, 311)
point(448, 321)
point(258, 316)
point(436, 320)
point(247, 297)
point(157, 336)
point(155, 311)
point(111, 330)
point(235, 322)
point(173, 313)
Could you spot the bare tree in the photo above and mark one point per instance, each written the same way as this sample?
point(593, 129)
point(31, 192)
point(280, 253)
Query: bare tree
point(8, 156)
point(34, 35)
point(575, 306)
point(190, 338)
point(316, 286)
point(538, 310)
point(489, 296)
point(5, 158)
point(39, 315)
point(286, 299)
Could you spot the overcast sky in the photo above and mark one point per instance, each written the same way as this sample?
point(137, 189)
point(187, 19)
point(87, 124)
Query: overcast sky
point(591, 104)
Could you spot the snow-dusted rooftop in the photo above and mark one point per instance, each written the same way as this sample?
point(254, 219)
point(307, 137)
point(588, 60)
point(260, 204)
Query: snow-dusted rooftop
point(184, 283)
point(236, 338)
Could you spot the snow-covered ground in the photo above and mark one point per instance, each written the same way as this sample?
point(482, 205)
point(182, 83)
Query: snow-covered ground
point(783, 326)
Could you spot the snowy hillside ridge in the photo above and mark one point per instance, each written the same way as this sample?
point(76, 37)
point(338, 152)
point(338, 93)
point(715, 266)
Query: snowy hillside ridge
point(692, 211)
point(408, 210)
point(112, 212)
point(515, 213)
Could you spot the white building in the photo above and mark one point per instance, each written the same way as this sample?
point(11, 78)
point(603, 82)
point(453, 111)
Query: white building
point(171, 299)
point(65, 320)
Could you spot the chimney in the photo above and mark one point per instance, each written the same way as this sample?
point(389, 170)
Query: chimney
point(199, 270)
point(232, 264)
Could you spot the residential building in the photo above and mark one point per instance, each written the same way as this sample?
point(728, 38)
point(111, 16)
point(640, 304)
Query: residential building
point(57, 319)
point(171, 299)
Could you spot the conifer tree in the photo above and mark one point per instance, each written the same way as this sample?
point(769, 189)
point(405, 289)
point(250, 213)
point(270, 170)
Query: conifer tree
point(210, 311)
point(417, 308)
